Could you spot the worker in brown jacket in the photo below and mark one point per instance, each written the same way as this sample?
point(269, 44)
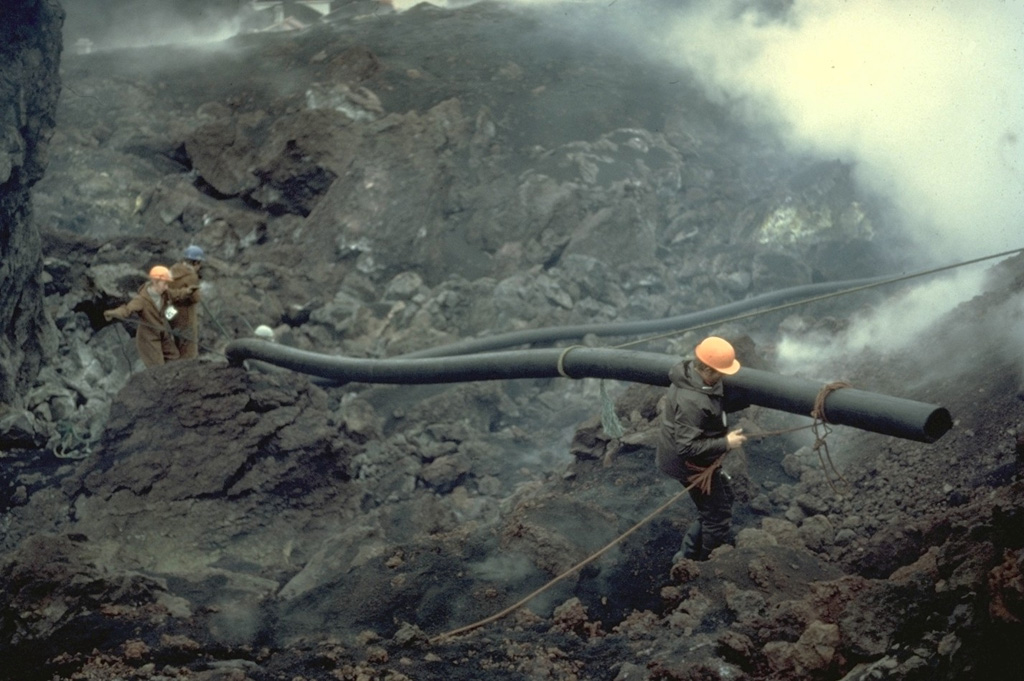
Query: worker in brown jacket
point(184, 294)
point(151, 304)
point(694, 436)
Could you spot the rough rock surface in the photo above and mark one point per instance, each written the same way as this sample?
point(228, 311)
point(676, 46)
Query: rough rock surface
point(30, 44)
point(386, 182)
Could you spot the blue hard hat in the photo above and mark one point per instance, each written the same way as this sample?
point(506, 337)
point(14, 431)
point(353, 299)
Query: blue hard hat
point(194, 253)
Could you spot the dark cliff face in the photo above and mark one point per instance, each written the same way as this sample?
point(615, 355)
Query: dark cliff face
point(30, 45)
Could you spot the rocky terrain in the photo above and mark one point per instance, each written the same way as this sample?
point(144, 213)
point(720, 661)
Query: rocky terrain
point(386, 181)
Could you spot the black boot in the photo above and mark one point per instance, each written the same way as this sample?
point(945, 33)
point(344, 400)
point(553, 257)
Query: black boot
point(691, 547)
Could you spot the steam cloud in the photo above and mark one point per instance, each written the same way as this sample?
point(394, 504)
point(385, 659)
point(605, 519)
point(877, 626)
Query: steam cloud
point(109, 24)
point(882, 331)
point(924, 97)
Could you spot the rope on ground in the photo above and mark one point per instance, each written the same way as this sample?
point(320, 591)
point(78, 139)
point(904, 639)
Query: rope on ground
point(701, 479)
point(575, 568)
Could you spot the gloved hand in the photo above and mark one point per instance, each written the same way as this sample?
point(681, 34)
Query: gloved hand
point(108, 315)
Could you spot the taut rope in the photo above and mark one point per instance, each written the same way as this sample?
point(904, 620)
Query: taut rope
point(701, 479)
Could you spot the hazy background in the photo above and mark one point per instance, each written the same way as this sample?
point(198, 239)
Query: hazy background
point(137, 23)
point(924, 99)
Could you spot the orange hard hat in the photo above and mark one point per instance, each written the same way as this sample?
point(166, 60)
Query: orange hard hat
point(161, 273)
point(718, 354)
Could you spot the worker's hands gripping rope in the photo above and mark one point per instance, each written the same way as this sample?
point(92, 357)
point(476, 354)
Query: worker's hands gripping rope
point(701, 478)
point(735, 439)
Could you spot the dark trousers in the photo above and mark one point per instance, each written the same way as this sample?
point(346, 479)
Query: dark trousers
point(714, 525)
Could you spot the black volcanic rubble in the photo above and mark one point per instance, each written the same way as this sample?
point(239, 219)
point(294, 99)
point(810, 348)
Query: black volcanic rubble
point(384, 182)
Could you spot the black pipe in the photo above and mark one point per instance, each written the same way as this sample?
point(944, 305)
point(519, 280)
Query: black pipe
point(883, 414)
point(689, 320)
point(684, 321)
point(877, 413)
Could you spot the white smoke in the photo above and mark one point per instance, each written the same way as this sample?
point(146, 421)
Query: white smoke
point(107, 25)
point(925, 97)
point(925, 100)
point(402, 5)
point(881, 332)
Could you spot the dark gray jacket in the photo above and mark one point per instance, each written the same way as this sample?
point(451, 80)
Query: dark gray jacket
point(692, 423)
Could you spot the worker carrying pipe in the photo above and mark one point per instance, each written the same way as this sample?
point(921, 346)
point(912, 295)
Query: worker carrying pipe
point(694, 437)
point(893, 416)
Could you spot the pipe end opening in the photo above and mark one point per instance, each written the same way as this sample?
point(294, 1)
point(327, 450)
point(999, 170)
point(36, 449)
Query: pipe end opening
point(938, 424)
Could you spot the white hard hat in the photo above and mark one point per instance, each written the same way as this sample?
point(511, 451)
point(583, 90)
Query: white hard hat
point(263, 331)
